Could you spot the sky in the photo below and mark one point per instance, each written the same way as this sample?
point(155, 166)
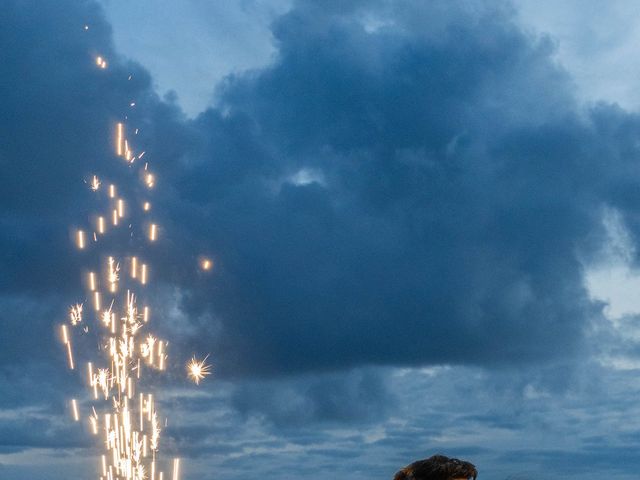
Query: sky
point(422, 216)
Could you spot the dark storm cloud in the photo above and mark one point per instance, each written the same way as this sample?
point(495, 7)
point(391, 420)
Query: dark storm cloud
point(397, 195)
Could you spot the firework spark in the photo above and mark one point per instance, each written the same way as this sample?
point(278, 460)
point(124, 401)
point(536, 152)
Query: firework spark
point(198, 369)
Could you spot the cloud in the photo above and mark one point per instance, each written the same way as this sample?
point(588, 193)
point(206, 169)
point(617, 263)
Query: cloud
point(459, 189)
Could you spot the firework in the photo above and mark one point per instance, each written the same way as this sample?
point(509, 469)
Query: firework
point(122, 412)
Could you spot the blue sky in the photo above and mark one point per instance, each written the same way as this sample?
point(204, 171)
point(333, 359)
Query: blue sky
point(423, 217)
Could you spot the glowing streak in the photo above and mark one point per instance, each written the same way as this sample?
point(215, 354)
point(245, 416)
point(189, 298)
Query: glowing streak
point(120, 208)
point(146, 206)
point(65, 337)
point(112, 191)
point(152, 232)
point(92, 281)
point(114, 217)
point(161, 355)
point(74, 409)
point(119, 138)
point(206, 264)
point(198, 369)
point(176, 468)
point(94, 425)
point(145, 314)
point(134, 267)
point(96, 301)
point(70, 356)
point(101, 225)
point(95, 183)
point(143, 274)
point(80, 236)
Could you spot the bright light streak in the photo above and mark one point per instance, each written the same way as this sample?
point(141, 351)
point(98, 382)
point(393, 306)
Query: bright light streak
point(95, 183)
point(153, 232)
point(146, 206)
point(74, 410)
point(80, 238)
point(143, 274)
point(120, 208)
point(96, 301)
point(70, 356)
point(101, 225)
point(112, 191)
point(119, 138)
point(145, 314)
point(176, 468)
point(92, 281)
point(134, 267)
point(161, 355)
point(65, 336)
point(114, 217)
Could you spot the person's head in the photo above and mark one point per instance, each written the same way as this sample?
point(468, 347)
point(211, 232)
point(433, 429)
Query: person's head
point(438, 467)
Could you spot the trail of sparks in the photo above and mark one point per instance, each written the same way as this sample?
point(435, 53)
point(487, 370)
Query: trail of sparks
point(121, 411)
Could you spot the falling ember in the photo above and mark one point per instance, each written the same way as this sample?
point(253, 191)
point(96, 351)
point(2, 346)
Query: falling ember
point(119, 139)
point(120, 208)
point(143, 274)
point(176, 468)
point(206, 264)
point(101, 228)
point(152, 232)
point(80, 238)
point(134, 267)
point(96, 301)
point(74, 410)
point(198, 369)
point(112, 191)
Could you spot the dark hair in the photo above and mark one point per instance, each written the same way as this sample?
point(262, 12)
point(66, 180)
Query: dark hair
point(437, 467)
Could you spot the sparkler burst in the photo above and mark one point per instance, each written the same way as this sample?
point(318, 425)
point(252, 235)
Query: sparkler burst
point(121, 409)
point(198, 369)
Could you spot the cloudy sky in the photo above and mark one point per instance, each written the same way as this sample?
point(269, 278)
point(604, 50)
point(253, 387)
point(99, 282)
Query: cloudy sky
point(424, 219)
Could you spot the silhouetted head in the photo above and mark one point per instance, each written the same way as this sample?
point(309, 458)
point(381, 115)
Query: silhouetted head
point(438, 467)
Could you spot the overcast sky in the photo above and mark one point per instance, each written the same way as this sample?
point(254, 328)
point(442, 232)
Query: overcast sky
point(423, 218)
